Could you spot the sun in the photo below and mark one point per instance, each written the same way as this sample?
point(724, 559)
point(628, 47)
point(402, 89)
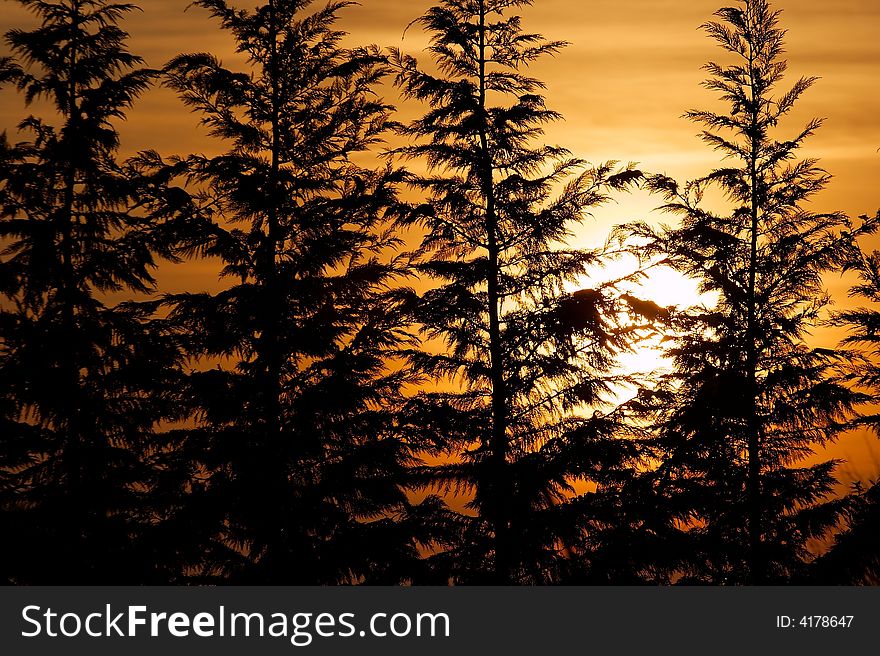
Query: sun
point(660, 284)
point(669, 289)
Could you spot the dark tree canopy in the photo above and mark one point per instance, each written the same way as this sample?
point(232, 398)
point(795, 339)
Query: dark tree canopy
point(299, 452)
point(854, 556)
point(405, 372)
point(523, 363)
point(751, 398)
point(84, 381)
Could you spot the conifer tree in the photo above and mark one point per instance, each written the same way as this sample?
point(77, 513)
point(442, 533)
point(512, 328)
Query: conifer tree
point(84, 381)
point(854, 557)
point(523, 364)
point(750, 399)
point(297, 443)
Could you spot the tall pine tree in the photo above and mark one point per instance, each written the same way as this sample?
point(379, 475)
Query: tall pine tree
point(523, 364)
point(84, 381)
point(297, 446)
point(750, 398)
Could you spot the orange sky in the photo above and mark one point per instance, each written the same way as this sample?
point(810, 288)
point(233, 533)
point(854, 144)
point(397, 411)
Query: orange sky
point(633, 68)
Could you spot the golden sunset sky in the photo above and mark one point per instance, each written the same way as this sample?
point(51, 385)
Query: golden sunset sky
point(633, 67)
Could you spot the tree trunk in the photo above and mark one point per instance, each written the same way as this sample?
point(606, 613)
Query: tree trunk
point(756, 568)
point(498, 440)
point(273, 509)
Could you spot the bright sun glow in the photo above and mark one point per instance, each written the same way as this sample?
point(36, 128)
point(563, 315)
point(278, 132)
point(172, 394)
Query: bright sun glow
point(661, 285)
point(666, 288)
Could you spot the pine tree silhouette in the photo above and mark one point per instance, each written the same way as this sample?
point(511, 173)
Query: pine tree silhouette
point(750, 398)
point(854, 557)
point(297, 445)
point(84, 382)
point(524, 363)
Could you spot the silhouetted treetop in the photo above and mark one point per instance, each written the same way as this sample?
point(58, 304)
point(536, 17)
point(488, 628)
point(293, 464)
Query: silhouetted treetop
point(524, 357)
point(297, 426)
point(84, 382)
point(750, 399)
